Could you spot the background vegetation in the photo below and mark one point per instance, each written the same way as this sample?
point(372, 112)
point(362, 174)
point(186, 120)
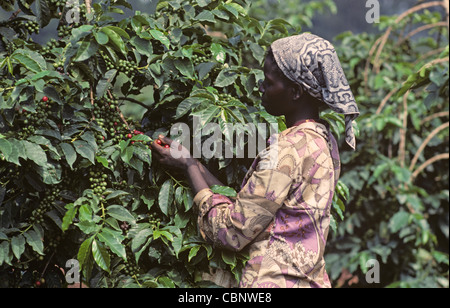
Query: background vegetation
point(76, 176)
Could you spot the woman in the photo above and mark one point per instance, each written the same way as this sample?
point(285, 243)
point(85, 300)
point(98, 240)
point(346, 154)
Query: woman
point(282, 212)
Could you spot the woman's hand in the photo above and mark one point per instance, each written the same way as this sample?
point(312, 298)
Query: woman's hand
point(171, 153)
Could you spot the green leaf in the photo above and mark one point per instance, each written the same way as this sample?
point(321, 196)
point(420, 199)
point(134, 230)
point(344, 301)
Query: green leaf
point(185, 67)
point(5, 255)
point(105, 82)
point(186, 105)
point(226, 78)
point(85, 150)
point(35, 241)
point(87, 49)
point(257, 52)
point(18, 245)
point(119, 31)
point(50, 173)
point(35, 153)
point(229, 258)
point(224, 190)
point(399, 221)
point(206, 16)
point(44, 13)
point(31, 60)
point(69, 216)
point(101, 38)
point(101, 255)
point(102, 161)
point(120, 213)
point(218, 52)
point(115, 39)
point(158, 35)
point(208, 114)
point(5, 148)
point(165, 197)
point(140, 239)
point(84, 251)
point(193, 252)
point(113, 239)
point(143, 46)
point(69, 154)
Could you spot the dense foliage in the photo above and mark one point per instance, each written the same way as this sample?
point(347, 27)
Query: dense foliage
point(76, 175)
point(77, 179)
point(398, 210)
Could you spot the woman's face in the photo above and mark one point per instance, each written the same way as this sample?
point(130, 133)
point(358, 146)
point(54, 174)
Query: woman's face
point(276, 96)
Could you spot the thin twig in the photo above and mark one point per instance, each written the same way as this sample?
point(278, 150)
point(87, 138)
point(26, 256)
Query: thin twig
point(427, 163)
point(402, 145)
point(88, 6)
point(385, 100)
point(420, 29)
point(15, 14)
point(425, 143)
point(435, 61)
point(400, 18)
point(435, 116)
point(135, 101)
point(122, 117)
point(429, 54)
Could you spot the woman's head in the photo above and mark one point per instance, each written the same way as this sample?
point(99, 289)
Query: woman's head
point(311, 63)
point(278, 92)
point(282, 96)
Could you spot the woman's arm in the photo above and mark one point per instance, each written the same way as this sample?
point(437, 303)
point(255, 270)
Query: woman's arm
point(198, 175)
point(208, 176)
point(230, 223)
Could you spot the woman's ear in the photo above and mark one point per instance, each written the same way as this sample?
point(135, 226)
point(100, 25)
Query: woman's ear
point(297, 92)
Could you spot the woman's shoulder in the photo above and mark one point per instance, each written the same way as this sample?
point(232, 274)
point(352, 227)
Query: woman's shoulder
point(303, 133)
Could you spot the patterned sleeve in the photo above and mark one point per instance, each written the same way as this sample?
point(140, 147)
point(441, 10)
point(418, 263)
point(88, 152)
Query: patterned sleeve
point(233, 224)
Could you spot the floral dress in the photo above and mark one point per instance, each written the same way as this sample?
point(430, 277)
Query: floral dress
point(282, 213)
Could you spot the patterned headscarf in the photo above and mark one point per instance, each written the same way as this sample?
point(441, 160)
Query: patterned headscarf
point(312, 62)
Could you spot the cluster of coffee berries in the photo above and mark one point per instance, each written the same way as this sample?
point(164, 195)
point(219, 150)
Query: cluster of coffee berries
point(45, 204)
point(55, 4)
point(154, 221)
point(107, 115)
point(64, 30)
point(10, 47)
point(59, 65)
point(109, 63)
point(32, 26)
point(33, 120)
point(39, 283)
point(131, 268)
point(225, 97)
point(22, 28)
point(83, 12)
point(198, 59)
point(98, 181)
point(157, 141)
point(53, 43)
point(134, 133)
point(122, 185)
point(53, 242)
point(127, 67)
